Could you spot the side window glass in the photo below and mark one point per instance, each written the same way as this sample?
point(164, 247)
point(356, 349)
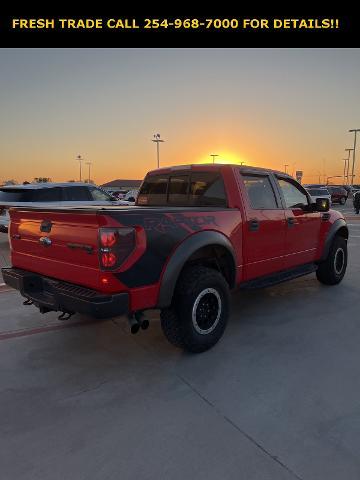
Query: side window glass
point(260, 192)
point(294, 197)
point(207, 189)
point(77, 194)
point(47, 194)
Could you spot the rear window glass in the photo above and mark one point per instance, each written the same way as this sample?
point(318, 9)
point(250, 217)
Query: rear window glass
point(198, 188)
point(16, 195)
point(178, 189)
point(99, 195)
point(260, 192)
point(207, 189)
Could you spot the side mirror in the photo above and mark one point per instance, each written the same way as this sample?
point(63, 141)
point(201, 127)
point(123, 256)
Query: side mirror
point(322, 205)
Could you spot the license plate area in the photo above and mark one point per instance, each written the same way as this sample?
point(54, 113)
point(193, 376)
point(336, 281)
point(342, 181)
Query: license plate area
point(32, 284)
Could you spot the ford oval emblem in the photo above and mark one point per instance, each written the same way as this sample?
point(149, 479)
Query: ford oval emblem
point(46, 241)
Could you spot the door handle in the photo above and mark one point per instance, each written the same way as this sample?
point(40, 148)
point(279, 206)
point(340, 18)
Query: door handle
point(291, 221)
point(254, 225)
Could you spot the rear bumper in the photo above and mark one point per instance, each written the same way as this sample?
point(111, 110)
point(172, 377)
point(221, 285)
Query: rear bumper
point(54, 295)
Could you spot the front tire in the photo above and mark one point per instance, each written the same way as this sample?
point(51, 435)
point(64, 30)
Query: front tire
point(332, 270)
point(342, 200)
point(199, 311)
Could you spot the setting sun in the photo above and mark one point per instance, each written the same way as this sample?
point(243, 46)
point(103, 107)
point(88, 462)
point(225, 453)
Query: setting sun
point(224, 157)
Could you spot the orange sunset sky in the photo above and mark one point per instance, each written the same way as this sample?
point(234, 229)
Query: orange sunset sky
point(264, 107)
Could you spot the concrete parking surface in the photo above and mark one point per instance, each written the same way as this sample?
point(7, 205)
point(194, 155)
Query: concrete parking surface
point(277, 398)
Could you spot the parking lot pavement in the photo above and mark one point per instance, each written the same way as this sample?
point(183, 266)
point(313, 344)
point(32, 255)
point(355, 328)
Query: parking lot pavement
point(277, 398)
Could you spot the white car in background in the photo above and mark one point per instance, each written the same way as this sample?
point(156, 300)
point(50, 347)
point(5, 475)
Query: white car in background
point(318, 193)
point(42, 194)
point(129, 198)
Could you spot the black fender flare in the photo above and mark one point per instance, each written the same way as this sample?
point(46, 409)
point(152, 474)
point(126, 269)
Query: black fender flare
point(180, 256)
point(335, 227)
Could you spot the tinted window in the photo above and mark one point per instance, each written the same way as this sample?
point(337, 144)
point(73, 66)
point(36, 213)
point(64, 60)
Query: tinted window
point(16, 195)
point(47, 195)
point(99, 195)
point(293, 195)
point(260, 192)
point(207, 189)
point(77, 194)
point(153, 191)
point(178, 189)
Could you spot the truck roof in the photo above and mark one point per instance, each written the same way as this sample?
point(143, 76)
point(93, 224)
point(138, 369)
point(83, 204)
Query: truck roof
point(215, 167)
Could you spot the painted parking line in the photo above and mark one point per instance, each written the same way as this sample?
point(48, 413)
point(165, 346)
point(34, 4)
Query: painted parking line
point(34, 331)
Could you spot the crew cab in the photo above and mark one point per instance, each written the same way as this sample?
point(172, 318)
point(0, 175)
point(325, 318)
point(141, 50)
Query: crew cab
point(196, 233)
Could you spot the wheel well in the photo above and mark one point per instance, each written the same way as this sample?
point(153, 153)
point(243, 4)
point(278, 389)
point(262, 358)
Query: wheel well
point(216, 257)
point(343, 232)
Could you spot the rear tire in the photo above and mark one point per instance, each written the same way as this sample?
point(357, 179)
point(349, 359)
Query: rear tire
point(342, 200)
point(199, 311)
point(332, 270)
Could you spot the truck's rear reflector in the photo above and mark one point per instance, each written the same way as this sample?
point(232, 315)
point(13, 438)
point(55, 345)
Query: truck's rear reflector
point(115, 246)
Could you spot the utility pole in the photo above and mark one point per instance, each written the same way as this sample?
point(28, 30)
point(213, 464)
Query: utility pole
point(213, 155)
point(89, 165)
point(348, 163)
point(158, 140)
point(80, 159)
point(286, 165)
point(355, 130)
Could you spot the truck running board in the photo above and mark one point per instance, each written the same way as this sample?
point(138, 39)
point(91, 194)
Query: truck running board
point(279, 277)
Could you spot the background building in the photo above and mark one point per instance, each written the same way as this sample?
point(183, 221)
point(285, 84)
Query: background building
point(121, 185)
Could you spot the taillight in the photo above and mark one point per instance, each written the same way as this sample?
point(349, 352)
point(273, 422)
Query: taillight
point(116, 244)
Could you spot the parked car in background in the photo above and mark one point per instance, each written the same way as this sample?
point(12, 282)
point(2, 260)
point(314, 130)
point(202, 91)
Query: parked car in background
point(118, 194)
point(318, 193)
point(338, 194)
point(129, 198)
point(355, 189)
point(131, 195)
point(314, 185)
point(55, 194)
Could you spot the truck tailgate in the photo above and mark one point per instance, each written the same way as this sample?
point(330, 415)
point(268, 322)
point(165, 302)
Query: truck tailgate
point(59, 244)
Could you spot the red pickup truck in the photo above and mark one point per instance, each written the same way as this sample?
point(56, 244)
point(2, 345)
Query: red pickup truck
point(196, 233)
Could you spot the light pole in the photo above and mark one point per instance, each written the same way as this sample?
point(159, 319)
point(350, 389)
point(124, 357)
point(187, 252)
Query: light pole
point(80, 159)
point(355, 130)
point(344, 174)
point(157, 140)
point(348, 163)
point(89, 165)
point(213, 155)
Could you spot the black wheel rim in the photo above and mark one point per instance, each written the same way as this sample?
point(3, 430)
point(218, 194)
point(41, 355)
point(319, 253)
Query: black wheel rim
point(206, 311)
point(339, 261)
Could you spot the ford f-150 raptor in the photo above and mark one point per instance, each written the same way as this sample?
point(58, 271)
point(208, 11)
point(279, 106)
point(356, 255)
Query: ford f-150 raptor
point(196, 233)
